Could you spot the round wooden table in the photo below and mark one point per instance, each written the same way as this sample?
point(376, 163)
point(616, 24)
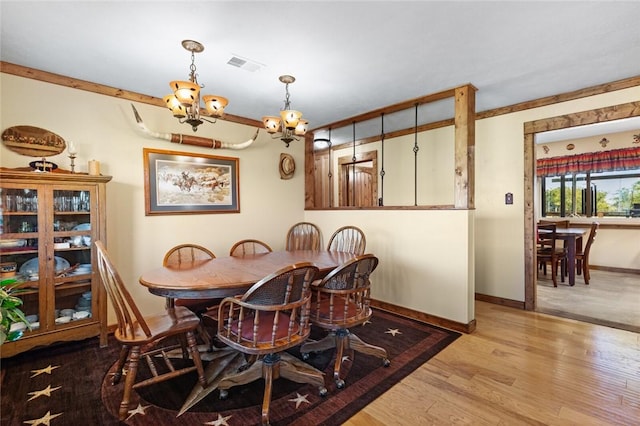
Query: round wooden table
point(231, 276)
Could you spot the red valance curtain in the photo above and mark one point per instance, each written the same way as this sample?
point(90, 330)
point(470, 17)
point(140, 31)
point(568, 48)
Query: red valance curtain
point(617, 159)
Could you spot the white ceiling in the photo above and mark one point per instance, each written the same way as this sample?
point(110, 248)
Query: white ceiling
point(348, 57)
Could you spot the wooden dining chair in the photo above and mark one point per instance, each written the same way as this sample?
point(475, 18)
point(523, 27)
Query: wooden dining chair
point(350, 239)
point(149, 338)
point(582, 256)
point(244, 247)
point(341, 301)
point(560, 224)
point(271, 317)
point(548, 251)
point(564, 223)
point(303, 236)
point(187, 256)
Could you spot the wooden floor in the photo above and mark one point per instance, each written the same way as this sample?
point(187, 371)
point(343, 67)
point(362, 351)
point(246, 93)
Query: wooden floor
point(520, 368)
point(611, 299)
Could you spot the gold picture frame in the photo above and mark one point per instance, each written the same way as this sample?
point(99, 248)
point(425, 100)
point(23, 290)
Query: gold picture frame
point(187, 183)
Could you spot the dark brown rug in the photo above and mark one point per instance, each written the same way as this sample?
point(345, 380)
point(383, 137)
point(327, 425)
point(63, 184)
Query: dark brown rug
point(69, 384)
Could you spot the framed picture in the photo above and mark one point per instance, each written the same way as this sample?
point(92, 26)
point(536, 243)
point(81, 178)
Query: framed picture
point(187, 183)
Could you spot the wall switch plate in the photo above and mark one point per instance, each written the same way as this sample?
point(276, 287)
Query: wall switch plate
point(508, 198)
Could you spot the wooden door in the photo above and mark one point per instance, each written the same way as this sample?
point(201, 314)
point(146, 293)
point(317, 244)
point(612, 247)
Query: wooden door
point(358, 180)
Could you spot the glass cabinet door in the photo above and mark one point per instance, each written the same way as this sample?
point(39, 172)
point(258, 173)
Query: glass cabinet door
point(19, 247)
point(45, 249)
point(72, 255)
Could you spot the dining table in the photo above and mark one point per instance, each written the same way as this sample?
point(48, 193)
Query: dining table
point(573, 239)
point(230, 275)
point(227, 277)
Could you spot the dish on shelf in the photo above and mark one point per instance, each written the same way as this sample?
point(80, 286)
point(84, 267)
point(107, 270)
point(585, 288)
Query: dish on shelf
point(82, 227)
point(80, 315)
point(62, 320)
point(30, 268)
point(83, 268)
point(12, 243)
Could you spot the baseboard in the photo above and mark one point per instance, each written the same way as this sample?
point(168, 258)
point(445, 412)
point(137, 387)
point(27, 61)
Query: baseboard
point(500, 301)
point(614, 269)
point(426, 318)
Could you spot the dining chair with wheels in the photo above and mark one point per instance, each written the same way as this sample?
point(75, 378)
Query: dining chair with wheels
point(244, 247)
point(303, 236)
point(340, 301)
point(582, 256)
point(271, 317)
point(549, 252)
point(350, 239)
point(147, 337)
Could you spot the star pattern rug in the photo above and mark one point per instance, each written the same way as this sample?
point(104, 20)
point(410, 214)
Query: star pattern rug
point(70, 384)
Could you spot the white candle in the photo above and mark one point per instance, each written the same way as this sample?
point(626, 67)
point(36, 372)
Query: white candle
point(72, 148)
point(94, 167)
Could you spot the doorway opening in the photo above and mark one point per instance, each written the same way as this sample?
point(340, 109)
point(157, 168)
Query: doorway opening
point(358, 180)
point(576, 309)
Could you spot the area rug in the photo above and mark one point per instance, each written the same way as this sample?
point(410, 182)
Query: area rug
point(70, 384)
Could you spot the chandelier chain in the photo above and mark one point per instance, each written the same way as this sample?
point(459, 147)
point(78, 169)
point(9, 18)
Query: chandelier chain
point(287, 103)
point(193, 74)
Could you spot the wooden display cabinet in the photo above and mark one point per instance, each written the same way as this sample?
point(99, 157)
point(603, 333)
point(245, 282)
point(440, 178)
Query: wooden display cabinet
point(48, 222)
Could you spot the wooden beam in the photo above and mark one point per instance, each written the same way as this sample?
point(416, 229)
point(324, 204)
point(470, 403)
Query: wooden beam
point(615, 112)
point(101, 89)
point(309, 172)
point(401, 106)
point(530, 263)
point(464, 137)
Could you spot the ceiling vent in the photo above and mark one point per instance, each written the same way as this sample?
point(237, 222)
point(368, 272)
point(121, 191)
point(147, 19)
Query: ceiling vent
point(245, 64)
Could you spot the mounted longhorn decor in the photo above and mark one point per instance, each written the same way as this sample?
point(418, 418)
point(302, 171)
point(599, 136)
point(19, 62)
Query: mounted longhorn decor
point(191, 140)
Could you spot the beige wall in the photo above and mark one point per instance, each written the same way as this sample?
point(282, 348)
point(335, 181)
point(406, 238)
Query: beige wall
point(500, 169)
point(103, 128)
point(432, 261)
point(426, 256)
point(617, 140)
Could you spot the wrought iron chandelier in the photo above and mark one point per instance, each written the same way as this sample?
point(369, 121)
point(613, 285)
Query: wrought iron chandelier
point(184, 102)
point(290, 123)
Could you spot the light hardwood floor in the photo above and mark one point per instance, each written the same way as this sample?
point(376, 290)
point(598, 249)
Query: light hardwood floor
point(520, 368)
point(611, 298)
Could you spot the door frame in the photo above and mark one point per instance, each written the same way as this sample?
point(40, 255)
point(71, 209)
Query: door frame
point(355, 159)
point(531, 128)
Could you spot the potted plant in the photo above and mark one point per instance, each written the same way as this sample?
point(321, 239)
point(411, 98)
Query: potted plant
point(10, 311)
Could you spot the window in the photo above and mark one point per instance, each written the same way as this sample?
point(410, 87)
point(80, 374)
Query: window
point(612, 193)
